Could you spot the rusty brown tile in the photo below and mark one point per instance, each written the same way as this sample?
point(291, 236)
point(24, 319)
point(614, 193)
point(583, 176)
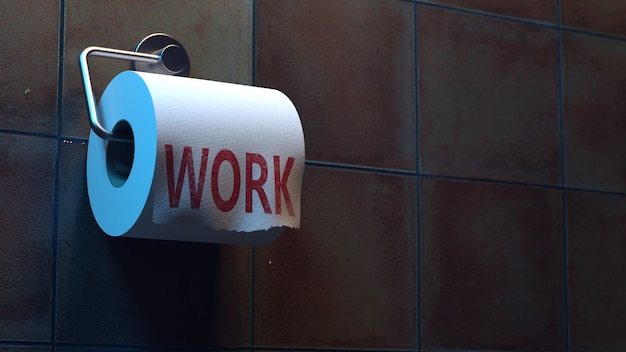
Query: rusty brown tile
point(348, 67)
point(596, 241)
point(488, 98)
point(29, 60)
point(492, 267)
point(347, 277)
point(215, 33)
point(26, 227)
point(143, 292)
point(605, 16)
point(542, 10)
point(594, 109)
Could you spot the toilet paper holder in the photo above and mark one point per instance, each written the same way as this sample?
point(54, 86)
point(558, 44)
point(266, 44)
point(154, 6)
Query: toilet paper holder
point(157, 53)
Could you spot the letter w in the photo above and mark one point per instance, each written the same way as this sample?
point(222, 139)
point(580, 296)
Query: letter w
point(186, 164)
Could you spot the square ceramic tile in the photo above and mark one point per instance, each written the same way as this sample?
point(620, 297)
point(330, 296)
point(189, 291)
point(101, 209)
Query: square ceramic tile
point(29, 52)
point(216, 35)
point(605, 16)
point(594, 73)
point(143, 292)
point(488, 98)
point(491, 267)
point(596, 240)
point(26, 227)
point(542, 10)
point(347, 277)
point(348, 67)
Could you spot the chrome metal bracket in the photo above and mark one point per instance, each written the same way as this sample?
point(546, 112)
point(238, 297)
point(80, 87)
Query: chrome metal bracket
point(157, 53)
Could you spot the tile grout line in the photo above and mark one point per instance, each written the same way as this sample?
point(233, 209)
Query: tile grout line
point(418, 193)
point(564, 231)
point(253, 42)
point(400, 172)
point(519, 184)
point(24, 343)
point(252, 280)
point(560, 94)
point(565, 270)
point(137, 347)
point(520, 20)
point(29, 133)
point(592, 33)
point(336, 349)
point(57, 172)
point(252, 295)
point(355, 167)
point(497, 16)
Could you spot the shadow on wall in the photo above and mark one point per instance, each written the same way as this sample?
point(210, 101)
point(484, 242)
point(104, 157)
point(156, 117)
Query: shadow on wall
point(124, 290)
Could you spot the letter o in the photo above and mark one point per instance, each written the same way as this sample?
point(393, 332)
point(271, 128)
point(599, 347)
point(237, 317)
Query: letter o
point(229, 204)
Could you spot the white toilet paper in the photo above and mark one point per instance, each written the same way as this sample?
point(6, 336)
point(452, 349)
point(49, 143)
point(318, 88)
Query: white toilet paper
point(211, 161)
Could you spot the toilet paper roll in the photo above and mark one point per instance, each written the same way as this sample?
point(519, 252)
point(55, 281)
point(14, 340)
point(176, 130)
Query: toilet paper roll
point(210, 162)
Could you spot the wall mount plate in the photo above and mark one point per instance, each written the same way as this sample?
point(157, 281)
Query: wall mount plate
point(174, 58)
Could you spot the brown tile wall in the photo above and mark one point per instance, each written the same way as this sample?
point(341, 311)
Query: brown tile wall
point(465, 187)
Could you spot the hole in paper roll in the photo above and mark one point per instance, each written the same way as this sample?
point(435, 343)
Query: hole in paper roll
point(120, 155)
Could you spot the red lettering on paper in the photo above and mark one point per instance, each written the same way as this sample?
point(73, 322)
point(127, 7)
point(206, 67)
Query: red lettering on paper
point(186, 164)
point(256, 185)
point(229, 204)
point(253, 161)
point(280, 185)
